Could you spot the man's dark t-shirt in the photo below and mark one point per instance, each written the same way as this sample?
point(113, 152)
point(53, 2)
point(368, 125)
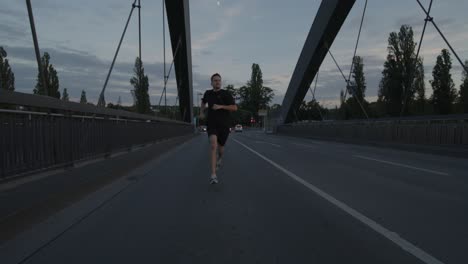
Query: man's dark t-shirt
point(221, 117)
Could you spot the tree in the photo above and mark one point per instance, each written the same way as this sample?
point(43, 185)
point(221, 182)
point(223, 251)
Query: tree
point(275, 107)
point(254, 95)
point(359, 79)
point(444, 93)
point(343, 112)
point(357, 89)
point(396, 87)
point(230, 88)
point(236, 116)
point(420, 87)
point(7, 77)
point(65, 96)
point(52, 81)
point(311, 110)
point(389, 95)
point(140, 83)
point(463, 94)
point(83, 99)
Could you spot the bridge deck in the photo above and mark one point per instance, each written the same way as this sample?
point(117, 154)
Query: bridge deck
point(268, 208)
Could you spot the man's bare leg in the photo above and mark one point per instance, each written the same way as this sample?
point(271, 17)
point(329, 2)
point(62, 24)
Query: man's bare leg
point(220, 150)
point(214, 146)
point(220, 154)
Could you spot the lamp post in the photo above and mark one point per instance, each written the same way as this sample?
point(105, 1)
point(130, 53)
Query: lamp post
point(199, 108)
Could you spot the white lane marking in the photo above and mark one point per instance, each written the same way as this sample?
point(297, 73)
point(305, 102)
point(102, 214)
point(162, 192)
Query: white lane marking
point(304, 145)
point(402, 165)
point(276, 145)
point(392, 236)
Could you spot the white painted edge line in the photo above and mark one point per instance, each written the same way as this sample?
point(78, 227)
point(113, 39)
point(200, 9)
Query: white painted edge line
point(392, 236)
point(402, 165)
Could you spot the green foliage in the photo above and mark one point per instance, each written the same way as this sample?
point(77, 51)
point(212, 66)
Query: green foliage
point(65, 96)
point(444, 93)
point(51, 77)
point(140, 84)
point(255, 96)
point(7, 77)
point(83, 99)
point(396, 89)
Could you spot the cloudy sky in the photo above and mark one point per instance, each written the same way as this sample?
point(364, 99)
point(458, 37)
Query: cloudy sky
point(227, 37)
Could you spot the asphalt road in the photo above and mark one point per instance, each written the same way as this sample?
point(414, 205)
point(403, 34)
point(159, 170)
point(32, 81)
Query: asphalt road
point(280, 200)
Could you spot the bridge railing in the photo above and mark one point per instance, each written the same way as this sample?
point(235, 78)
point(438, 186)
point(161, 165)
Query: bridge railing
point(432, 130)
point(38, 132)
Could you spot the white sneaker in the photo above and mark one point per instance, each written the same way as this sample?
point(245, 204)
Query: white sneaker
point(214, 179)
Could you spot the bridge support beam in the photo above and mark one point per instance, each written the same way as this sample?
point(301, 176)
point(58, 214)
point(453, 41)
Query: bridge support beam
point(330, 17)
point(178, 17)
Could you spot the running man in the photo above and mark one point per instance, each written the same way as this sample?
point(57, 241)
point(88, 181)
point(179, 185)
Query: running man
point(220, 104)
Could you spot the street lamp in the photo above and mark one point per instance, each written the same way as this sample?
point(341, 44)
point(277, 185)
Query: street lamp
point(198, 102)
point(199, 108)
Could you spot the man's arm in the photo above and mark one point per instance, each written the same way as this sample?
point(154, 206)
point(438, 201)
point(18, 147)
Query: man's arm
point(202, 110)
point(231, 108)
point(230, 104)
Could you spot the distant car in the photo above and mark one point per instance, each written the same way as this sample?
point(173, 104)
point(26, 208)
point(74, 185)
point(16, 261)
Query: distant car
point(238, 128)
point(203, 128)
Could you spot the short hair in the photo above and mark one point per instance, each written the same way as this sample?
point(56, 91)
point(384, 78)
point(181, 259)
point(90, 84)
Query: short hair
point(214, 75)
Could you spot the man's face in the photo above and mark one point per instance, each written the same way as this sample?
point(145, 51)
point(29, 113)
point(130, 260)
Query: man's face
point(216, 82)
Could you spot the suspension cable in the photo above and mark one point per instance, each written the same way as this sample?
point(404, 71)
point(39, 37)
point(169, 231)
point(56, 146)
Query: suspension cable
point(315, 86)
point(336, 63)
point(357, 43)
point(347, 85)
point(313, 94)
point(101, 101)
point(417, 56)
point(164, 55)
point(166, 78)
point(443, 36)
point(352, 63)
point(424, 28)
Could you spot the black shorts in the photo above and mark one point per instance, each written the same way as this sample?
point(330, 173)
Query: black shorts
point(221, 133)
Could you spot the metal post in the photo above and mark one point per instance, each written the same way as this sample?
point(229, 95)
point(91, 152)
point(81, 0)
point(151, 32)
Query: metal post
point(36, 47)
point(139, 28)
point(139, 46)
point(164, 50)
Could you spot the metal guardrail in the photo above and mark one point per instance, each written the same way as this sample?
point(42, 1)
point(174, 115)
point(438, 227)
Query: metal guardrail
point(404, 119)
point(60, 133)
point(441, 130)
point(53, 105)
